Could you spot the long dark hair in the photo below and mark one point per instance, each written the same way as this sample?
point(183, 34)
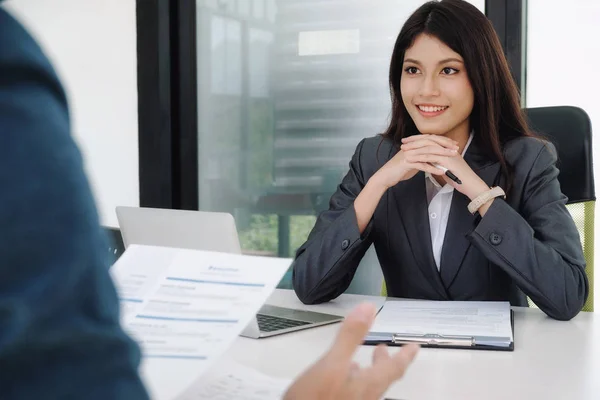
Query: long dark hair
point(497, 116)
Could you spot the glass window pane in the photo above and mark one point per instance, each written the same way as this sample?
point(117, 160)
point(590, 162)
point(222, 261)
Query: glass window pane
point(208, 3)
point(271, 10)
point(293, 101)
point(260, 50)
point(217, 55)
point(258, 8)
point(226, 56)
point(562, 62)
point(233, 62)
point(243, 7)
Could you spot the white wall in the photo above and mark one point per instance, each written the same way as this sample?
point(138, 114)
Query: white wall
point(92, 44)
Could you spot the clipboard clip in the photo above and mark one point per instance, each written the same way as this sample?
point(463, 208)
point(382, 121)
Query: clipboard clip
point(434, 340)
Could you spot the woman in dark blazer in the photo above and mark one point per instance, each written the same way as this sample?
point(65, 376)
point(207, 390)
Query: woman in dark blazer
point(498, 230)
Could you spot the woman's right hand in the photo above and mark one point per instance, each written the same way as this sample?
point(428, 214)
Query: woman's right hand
point(400, 168)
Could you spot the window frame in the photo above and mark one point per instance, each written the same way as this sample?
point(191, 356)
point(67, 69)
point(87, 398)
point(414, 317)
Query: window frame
point(170, 111)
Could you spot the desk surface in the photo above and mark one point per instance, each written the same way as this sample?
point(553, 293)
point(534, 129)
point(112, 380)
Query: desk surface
point(552, 359)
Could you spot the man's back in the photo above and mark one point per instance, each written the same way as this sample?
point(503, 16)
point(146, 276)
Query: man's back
point(59, 330)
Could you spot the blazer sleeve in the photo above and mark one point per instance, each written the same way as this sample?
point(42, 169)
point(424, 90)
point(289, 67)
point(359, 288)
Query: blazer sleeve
point(540, 247)
point(325, 265)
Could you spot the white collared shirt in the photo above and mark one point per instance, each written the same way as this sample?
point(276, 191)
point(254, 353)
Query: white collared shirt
point(439, 199)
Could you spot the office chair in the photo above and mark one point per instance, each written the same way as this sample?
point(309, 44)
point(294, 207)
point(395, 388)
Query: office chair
point(569, 129)
point(115, 243)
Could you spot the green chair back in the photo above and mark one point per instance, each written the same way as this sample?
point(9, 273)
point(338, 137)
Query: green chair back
point(570, 130)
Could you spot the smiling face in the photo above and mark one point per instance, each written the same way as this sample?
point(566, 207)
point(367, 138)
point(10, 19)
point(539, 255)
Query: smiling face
point(435, 89)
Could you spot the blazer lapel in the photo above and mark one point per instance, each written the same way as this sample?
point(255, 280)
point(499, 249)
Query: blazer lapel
point(411, 202)
point(460, 221)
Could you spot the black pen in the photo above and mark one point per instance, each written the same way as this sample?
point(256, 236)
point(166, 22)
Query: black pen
point(448, 173)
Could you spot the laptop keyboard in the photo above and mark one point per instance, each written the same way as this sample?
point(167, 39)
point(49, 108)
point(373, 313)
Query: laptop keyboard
point(268, 323)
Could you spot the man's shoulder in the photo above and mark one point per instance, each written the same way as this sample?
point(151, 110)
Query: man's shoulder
point(21, 55)
point(17, 44)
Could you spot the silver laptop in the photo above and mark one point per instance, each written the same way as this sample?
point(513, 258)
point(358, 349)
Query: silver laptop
point(200, 230)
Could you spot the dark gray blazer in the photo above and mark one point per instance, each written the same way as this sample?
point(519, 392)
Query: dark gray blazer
point(526, 245)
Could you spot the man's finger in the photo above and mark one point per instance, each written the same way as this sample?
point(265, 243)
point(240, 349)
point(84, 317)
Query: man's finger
point(352, 332)
point(380, 354)
point(354, 370)
point(387, 370)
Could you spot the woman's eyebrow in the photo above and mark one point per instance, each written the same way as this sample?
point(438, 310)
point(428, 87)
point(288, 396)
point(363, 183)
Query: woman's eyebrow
point(444, 61)
point(410, 60)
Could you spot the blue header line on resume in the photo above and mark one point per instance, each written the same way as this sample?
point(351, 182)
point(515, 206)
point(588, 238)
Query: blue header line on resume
point(174, 356)
point(223, 321)
point(170, 278)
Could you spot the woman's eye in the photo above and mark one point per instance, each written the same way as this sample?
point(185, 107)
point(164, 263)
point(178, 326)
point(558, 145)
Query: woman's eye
point(449, 71)
point(411, 70)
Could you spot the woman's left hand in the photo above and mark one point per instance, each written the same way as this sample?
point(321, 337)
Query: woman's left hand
point(416, 149)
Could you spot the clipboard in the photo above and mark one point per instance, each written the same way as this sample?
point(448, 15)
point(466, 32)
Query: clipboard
point(444, 341)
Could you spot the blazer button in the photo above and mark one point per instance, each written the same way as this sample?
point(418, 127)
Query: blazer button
point(495, 239)
point(345, 244)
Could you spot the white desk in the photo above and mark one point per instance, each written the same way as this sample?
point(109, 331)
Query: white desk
point(552, 360)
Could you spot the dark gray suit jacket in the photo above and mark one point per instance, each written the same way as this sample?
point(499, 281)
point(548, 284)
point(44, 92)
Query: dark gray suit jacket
point(526, 245)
